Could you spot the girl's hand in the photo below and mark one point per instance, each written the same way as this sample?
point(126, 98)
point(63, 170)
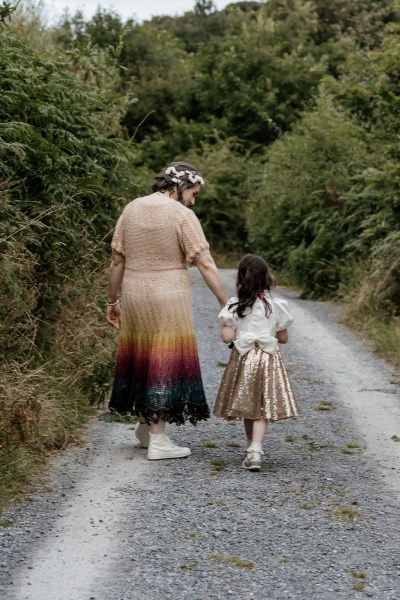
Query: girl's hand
point(114, 315)
point(227, 334)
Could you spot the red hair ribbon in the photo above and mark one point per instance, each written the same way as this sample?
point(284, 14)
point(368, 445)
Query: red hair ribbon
point(261, 295)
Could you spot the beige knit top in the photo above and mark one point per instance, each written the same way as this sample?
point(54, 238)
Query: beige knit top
point(157, 233)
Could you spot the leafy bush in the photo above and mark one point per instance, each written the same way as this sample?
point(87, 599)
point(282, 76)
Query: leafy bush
point(296, 216)
point(61, 154)
point(64, 165)
point(221, 206)
point(330, 195)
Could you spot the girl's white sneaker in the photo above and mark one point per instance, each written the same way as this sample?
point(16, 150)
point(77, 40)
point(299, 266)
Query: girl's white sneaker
point(252, 462)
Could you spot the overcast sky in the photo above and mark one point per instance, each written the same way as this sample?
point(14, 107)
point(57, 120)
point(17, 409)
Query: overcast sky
point(140, 9)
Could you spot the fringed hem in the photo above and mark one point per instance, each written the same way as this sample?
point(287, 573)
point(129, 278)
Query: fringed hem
point(177, 418)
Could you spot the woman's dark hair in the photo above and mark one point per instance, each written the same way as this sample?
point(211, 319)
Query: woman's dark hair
point(165, 181)
point(253, 278)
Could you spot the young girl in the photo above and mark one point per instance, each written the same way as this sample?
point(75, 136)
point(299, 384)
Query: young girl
point(255, 386)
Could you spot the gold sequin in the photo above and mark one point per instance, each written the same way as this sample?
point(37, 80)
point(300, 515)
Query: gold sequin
point(255, 386)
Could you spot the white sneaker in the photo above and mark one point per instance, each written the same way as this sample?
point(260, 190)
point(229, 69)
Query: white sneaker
point(142, 433)
point(161, 446)
point(252, 462)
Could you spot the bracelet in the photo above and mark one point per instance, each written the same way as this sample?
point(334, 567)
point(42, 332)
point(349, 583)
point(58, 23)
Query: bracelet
point(112, 303)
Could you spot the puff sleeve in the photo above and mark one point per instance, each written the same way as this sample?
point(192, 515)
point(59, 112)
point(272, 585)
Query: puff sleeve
point(118, 241)
point(283, 317)
point(226, 317)
point(192, 239)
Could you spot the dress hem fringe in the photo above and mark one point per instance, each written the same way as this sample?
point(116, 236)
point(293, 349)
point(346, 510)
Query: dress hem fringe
point(180, 419)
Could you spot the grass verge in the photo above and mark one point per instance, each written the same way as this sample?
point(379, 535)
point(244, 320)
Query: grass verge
point(42, 417)
point(46, 397)
point(382, 333)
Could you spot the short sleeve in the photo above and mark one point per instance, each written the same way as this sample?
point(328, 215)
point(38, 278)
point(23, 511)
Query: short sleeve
point(226, 316)
point(192, 239)
point(118, 241)
point(283, 317)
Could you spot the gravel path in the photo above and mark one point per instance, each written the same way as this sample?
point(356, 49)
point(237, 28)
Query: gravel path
point(319, 522)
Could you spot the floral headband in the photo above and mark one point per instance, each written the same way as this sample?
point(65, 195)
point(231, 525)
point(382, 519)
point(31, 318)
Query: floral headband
point(193, 177)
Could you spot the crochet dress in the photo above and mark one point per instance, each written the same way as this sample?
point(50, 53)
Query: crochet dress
point(157, 372)
point(255, 384)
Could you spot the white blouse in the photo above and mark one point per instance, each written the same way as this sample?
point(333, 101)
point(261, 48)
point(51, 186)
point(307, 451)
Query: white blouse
point(255, 326)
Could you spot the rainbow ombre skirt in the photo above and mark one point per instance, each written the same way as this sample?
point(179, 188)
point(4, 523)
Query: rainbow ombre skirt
point(158, 372)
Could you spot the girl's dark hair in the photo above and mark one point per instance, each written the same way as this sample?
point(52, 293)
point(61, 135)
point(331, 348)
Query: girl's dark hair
point(163, 181)
point(253, 278)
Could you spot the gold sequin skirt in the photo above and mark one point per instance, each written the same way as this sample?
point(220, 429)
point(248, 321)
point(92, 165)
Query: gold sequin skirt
point(255, 386)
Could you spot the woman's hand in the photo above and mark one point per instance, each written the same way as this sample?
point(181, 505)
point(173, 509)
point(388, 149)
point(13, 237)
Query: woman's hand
point(116, 274)
point(114, 315)
point(282, 336)
point(211, 276)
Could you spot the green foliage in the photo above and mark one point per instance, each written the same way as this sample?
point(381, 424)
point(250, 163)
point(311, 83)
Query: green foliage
point(332, 187)
point(17, 266)
point(64, 165)
point(198, 27)
point(221, 205)
point(295, 217)
point(60, 151)
point(158, 66)
point(105, 29)
point(262, 73)
point(361, 20)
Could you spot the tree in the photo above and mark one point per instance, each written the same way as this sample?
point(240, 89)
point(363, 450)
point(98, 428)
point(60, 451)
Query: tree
point(204, 7)
point(362, 20)
point(262, 74)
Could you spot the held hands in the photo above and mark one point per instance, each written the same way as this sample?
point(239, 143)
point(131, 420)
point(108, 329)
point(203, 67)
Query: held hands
point(227, 334)
point(114, 315)
point(282, 336)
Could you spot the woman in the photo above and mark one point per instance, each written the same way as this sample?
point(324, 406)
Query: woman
point(158, 373)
